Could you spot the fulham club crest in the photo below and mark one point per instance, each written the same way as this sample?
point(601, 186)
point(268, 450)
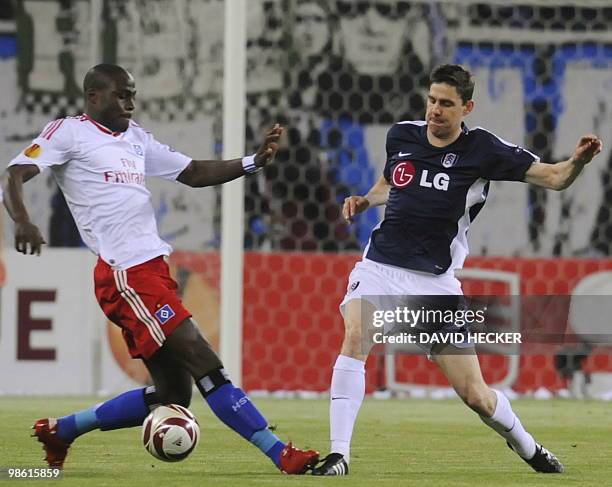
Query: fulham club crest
point(449, 160)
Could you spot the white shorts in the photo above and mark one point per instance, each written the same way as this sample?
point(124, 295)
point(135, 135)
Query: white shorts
point(369, 278)
point(380, 284)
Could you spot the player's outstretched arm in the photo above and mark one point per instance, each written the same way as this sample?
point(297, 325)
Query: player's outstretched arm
point(378, 195)
point(26, 233)
point(561, 175)
point(209, 173)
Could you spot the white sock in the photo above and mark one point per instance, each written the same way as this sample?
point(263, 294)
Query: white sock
point(347, 392)
point(507, 424)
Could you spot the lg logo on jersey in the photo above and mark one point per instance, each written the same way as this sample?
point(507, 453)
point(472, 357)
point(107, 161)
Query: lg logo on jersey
point(404, 173)
point(440, 180)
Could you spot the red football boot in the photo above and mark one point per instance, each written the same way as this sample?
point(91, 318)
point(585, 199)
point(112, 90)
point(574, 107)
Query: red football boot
point(56, 449)
point(296, 462)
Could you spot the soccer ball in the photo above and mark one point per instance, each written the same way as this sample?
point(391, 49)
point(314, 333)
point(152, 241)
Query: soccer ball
point(170, 433)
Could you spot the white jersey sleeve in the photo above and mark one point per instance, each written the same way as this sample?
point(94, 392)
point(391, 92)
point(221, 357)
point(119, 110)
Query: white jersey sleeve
point(163, 161)
point(53, 147)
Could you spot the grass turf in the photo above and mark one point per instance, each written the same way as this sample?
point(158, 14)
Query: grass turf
point(419, 443)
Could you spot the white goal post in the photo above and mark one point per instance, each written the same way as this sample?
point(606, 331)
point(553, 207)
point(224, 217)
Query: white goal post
point(232, 203)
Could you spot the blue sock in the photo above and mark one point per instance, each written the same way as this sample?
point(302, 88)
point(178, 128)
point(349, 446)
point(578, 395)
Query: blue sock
point(126, 410)
point(68, 428)
point(232, 406)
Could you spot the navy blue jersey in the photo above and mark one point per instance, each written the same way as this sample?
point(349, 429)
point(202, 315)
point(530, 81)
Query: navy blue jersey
point(436, 192)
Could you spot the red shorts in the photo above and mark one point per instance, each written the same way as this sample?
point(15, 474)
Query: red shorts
point(142, 301)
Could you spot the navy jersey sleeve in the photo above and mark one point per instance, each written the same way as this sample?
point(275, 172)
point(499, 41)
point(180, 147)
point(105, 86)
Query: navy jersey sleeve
point(392, 147)
point(504, 161)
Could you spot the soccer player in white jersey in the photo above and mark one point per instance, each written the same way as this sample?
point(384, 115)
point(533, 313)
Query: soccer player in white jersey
point(100, 161)
point(435, 181)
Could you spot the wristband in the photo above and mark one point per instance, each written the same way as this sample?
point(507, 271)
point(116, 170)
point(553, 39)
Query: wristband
point(248, 164)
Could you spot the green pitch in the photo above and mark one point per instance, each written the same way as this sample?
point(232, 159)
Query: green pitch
point(419, 443)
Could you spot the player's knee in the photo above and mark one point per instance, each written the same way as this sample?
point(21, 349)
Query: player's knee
point(352, 343)
point(478, 398)
point(352, 330)
point(183, 397)
point(352, 339)
point(199, 357)
point(192, 351)
point(180, 395)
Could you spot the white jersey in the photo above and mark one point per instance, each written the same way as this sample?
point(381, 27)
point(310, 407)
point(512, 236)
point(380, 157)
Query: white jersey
point(102, 175)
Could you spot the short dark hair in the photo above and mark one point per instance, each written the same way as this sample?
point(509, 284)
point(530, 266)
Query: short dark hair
point(454, 75)
point(100, 76)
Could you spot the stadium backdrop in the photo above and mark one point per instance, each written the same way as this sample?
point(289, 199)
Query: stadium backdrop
point(337, 75)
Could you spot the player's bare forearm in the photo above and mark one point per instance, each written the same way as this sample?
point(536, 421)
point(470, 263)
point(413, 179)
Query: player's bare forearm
point(566, 173)
point(379, 193)
point(12, 189)
point(199, 174)
point(27, 235)
point(557, 176)
point(561, 175)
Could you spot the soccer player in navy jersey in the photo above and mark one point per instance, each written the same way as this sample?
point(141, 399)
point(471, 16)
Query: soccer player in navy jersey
point(435, 182)
point(100, 161)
